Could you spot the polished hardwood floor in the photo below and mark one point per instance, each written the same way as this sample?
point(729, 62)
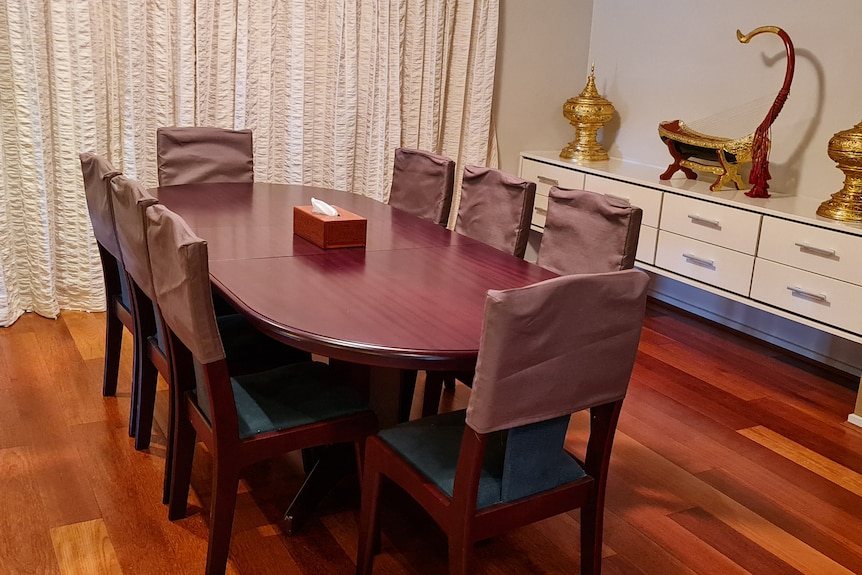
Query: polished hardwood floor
point(731, 457)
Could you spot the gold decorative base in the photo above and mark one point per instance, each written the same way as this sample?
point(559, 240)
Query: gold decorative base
point(845, 205)
point(585, 147)
point(845, 148)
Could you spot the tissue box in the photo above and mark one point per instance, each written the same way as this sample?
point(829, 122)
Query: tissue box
point(346, 230)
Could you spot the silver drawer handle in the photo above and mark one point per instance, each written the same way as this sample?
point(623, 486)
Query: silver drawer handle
point(542, 211)
point(696, 219)
point(799, 292)
point(549, 181)
point(825, 252)
point(620, 198)
point(699, 261)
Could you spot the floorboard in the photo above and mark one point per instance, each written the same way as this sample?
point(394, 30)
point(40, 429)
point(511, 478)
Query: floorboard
point(732, 457)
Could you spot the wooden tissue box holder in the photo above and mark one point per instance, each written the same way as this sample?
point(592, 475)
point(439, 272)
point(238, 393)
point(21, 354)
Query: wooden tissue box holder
point(346, 230)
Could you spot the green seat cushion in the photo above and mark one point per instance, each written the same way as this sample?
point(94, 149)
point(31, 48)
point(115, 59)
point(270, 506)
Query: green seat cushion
point(432, 445)
point(291, 396)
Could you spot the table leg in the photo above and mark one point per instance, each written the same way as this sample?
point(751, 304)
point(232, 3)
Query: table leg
point(390, 394)
point(334, 463)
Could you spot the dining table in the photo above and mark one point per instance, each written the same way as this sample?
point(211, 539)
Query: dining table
point(411, 299)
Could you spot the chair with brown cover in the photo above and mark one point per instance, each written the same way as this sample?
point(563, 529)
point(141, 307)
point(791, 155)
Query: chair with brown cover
point(496, 209)
point(241, 419)
point(586, 232)
point(246, 348)
point(547, 350)
point(422, 184)
point(201, 155)
point(97, 173)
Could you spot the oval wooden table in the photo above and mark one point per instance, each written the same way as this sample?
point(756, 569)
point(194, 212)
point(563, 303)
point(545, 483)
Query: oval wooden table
point(411, 299)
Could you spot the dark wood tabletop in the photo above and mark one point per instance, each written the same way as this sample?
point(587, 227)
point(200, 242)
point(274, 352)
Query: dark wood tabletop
point(412, 298)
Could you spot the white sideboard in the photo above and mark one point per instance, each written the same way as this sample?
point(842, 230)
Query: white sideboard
point(769, 267)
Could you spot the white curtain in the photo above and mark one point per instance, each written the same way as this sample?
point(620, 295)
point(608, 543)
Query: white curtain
point(330, 88)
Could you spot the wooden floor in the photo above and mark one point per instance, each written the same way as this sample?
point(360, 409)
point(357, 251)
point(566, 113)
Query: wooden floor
point(730, 458)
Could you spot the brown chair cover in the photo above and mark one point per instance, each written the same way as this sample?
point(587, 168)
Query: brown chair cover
point(496, 209)
point(97, 172)
point(556, 347)
point(130, 199)
point(178, 259)
point(199, 155)
point(422, 184)
point(586, 232)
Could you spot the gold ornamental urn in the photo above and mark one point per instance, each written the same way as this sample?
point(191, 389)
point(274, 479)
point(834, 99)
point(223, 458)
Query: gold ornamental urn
point(587, 113)
point(845, 148)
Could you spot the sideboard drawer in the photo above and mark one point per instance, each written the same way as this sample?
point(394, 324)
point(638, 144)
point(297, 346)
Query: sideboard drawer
point(540, 211)
point(545, 176)
point(708, 263)
point(810, 248)
point(647, 199)
point(811, 295)
point(713, 223)
point(646, 245)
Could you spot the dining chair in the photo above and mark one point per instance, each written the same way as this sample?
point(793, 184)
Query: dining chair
point(586, 232)
point(496, 209)
point(247, 349)
point(242, 419)
point(97, 173)
point(422, 184)
point(200, 155)
point(547, 350)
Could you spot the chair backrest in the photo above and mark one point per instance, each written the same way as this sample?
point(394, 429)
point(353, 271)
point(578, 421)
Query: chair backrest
point(556, 347)
point(97, 172)
point(200, 155)
point(422, 184)
point(496, 209)
point(178, 259)
point(130, 200)
point(586, 232)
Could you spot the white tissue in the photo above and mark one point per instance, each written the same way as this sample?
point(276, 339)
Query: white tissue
point(321, 207)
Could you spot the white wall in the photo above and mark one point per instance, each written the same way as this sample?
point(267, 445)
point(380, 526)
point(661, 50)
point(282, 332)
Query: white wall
point(542, 53)
point(669, 59)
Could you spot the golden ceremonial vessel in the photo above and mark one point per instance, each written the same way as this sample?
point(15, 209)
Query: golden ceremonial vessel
point(845, 148)
point(587, 113)
point(722, 157)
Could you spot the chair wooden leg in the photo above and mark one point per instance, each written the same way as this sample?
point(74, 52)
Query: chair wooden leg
point(434, 381)
point(449, 382)
point(113, 347)
point(181, 468)
point(225, 484)
point(137, 359)
point(146, 403)
point(170, 445)
point(603, 424)
point(369, 515)
point(460, 553)
point(591, 539)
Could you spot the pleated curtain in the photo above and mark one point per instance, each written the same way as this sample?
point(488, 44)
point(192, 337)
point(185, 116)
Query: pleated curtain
point(329, 87)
